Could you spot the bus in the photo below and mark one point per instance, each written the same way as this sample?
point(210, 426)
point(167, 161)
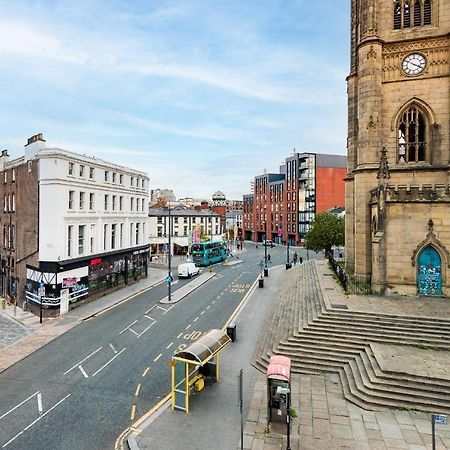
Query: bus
point(206, 253)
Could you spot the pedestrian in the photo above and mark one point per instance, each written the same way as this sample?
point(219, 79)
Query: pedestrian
point(295, 258)
point(301, 260)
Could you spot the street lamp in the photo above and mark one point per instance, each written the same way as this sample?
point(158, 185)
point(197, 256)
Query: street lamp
point(169, 276)
point(266, 270)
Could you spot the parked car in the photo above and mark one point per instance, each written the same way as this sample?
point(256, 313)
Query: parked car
point(187, 270)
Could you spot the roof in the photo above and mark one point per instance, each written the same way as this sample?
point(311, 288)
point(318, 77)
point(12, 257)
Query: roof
point(202, 350)
point(279, 368)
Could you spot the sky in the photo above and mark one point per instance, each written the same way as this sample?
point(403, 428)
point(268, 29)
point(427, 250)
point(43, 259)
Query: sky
point(203, 95)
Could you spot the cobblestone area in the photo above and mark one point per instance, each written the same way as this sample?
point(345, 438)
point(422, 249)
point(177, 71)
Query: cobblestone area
point(11, 331)
point(327, 421)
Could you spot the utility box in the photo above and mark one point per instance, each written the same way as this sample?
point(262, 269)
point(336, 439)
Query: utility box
point(278, 388)
point(231, 332)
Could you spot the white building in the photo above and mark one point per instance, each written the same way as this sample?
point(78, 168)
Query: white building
point(92, 224)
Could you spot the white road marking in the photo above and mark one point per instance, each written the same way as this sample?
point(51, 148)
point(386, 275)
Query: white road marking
point(203, 312)
point(195, 320)
point(189, 326)
point(164, 309)
point(149, 318)
point(159, 356)
point(39, 399)
point(82, 361)
point(125, 329)
point(20, 404)
point(170, 345)
point(112, 348)
point(85, 375)
point(178, 337)
point(37, 420)
point(148, 328)
point(145, 371)
point(110, 361)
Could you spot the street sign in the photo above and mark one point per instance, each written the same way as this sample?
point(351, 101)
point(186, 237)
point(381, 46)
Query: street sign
point(441, 419)
point(41, 291)
point(169, 279)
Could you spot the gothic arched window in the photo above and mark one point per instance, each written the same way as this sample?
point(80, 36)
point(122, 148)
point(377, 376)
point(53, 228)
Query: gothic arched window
point(412, 136)
point(409, 13)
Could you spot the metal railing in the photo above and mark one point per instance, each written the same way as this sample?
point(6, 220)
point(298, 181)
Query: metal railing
point(352, 284)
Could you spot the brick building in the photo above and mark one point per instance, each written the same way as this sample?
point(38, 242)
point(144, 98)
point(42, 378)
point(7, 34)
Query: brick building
point(284, 204)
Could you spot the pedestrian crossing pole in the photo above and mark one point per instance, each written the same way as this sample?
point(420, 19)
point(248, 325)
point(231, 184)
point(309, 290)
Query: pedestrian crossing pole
point(241, 409)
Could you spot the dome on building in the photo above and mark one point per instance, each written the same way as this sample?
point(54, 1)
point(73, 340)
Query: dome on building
point(219, 195)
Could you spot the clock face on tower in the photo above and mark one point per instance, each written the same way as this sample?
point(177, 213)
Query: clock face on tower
point(414, 64)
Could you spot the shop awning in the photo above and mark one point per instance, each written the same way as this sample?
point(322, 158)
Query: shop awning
point(204, 348)
point(279, 368)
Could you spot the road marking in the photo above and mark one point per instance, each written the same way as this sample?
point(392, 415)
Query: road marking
point(39, 399)
point(209, 306)
point(203, 312)
point(35, 421)
point(160, 307)
point(213, 302)
point(134, 332)
point(148, 328)
point(125, 329)
point(145, 371)
point(178, 337)
point(110, 361)
point(82, 361)
point(170, 345)
point(20, 404)
point(85, 375)
point(112, 348)
point(159, 356)
point(137, 390)
point(133, 412)
point(195, 320)
point(150, 318)
point(189, 326)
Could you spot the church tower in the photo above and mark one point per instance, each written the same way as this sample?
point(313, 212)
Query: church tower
point(397, 186)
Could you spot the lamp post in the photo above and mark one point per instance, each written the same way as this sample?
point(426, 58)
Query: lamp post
point(169, 276)
point(266, 270)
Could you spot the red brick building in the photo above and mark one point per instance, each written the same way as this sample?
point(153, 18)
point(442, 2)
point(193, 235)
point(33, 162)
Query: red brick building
point(284, 204)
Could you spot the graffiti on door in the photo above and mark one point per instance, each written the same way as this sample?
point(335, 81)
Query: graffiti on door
point(429, 277)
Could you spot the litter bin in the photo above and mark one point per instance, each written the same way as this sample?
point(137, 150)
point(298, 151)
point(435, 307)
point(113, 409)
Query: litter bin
point(231, 331)
point(266, 272)
point(261, 282)
point(288, 266)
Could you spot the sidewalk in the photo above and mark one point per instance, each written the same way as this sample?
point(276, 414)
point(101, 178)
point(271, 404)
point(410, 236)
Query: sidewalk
point(214, 417)
point(22, 334)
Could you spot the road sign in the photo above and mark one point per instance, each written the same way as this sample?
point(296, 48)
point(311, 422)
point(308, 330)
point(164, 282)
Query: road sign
point(169, 279)
point(441, 419)
point(41, 291)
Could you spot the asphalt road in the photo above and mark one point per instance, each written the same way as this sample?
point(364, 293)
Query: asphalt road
point(84, 388)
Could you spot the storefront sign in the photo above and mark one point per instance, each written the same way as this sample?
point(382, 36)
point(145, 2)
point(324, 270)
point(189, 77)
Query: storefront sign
point(67, 282)
point(95, 261)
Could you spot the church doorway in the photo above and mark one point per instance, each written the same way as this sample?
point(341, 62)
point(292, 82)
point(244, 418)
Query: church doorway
point(429, 277)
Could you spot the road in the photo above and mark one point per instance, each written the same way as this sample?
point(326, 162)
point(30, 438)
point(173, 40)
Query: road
point(84, 388)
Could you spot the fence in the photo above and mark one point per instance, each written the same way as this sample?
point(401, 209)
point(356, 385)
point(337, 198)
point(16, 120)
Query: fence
point(352, 284)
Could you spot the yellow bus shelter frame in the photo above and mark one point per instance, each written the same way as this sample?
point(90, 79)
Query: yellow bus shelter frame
point(193, 357)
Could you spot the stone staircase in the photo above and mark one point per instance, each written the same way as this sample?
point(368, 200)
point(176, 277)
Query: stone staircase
point(318, 337)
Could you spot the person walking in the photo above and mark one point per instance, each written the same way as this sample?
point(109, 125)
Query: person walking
point(295, 258)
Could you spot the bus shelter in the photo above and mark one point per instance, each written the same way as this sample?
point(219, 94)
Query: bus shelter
point(278, 388)
point(192, 365)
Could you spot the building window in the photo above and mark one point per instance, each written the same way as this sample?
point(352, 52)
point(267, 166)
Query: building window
point(120, 179)
point(113, 236)
point(131, 204)
point(105, 235)
point(71, 195)
point(114, 175)
point(106, 175)
point(121, 236)
point(412, 133)
point(13, 201)
point(81, 200)
point(120, 203)
point(131, 233)
point(106, 202)
point(13, 175)
point(81, 239)
point(81, 171)
point(113, 202)
point(159, 220)
point(5, 177)
point(143, 183)
point(29, 165)
point(132, 182)
point(185, 231)
point(91, 201)
point(409, 13)
point(71, 168)
point(91, 173)
point(69, 240)
point(137, 233)
point(92, 239)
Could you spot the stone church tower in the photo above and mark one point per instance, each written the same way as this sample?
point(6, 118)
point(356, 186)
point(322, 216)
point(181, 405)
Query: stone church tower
point(398, 182)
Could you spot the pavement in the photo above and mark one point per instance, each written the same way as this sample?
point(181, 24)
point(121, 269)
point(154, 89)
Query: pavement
point(325, 419)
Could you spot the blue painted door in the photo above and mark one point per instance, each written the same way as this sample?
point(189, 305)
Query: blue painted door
point(429, 278)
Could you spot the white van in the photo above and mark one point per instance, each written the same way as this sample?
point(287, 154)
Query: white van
point(186, 270)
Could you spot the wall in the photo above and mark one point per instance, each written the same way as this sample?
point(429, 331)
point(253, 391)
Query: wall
point(330, 188)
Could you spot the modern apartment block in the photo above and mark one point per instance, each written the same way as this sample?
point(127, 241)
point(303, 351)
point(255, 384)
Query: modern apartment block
point(73, 226)
point(284, 204)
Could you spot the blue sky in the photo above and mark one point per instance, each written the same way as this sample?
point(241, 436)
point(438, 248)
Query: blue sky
point(203, 95)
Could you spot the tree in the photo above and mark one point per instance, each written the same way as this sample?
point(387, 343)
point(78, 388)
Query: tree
point(327, 230)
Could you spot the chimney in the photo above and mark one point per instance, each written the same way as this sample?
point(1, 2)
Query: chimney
point(4, 158)
point(34, 145)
